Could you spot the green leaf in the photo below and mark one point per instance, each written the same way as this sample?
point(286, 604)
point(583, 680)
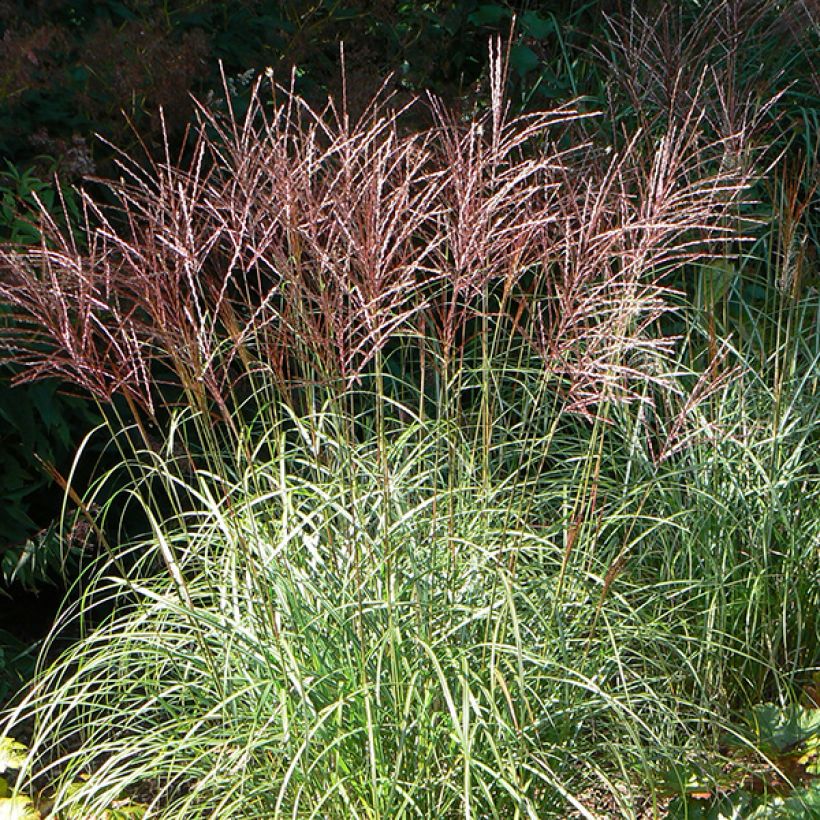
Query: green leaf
point(801, 804)
point(123, 809)
point(533, 25)
point(19, 807)
point(683, 778)
point(43, 396)
point(490, 14)
point(523, 59)
point(79, 74)
point(12, 754)
point(730, 807)
point(120, 11)
point(131, 811)
point(714, 280)
point(782, 730)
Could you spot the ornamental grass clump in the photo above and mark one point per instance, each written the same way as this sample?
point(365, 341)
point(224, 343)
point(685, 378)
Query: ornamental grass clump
point(403, 531)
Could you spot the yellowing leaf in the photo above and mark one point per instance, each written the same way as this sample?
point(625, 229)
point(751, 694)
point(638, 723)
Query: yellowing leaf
point(18, 808)
point(12, 754)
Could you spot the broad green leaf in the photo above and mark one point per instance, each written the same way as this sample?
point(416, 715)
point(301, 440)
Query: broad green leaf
point(19, 807)
point(42, 396)
point(730, 807)
point(121, 11)
point(131, 811)
point(810, 754)
point(536, 26)
point(808, 720)
point(12, 754)
point(523, 59)
point(123, 809)
point(686, 778)
point(782, 730)
point(801, 804)
point(714, 281)
point(490, 14)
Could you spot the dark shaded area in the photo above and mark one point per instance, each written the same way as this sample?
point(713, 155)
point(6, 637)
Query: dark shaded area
point(71, 68)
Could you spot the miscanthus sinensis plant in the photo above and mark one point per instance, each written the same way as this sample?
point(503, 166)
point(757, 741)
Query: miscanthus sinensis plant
point(436, 519)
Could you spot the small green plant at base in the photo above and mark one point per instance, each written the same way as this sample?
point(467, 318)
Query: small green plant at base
point(16, 806)
point(771, 769)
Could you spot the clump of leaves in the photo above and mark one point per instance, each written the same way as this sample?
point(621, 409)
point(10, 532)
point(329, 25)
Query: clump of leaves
point(24, 194)
point(415, 381)
point(15, 805)
point(17, 662)
point(788, 736)
point(800, 804)
point(773, 770)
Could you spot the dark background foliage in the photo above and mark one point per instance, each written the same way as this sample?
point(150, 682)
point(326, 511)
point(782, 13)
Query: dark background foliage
point(71, 67)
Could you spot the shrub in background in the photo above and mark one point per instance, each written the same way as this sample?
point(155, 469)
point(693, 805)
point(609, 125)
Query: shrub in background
point(40, 430)
point(70, 67)
point(41, 424)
